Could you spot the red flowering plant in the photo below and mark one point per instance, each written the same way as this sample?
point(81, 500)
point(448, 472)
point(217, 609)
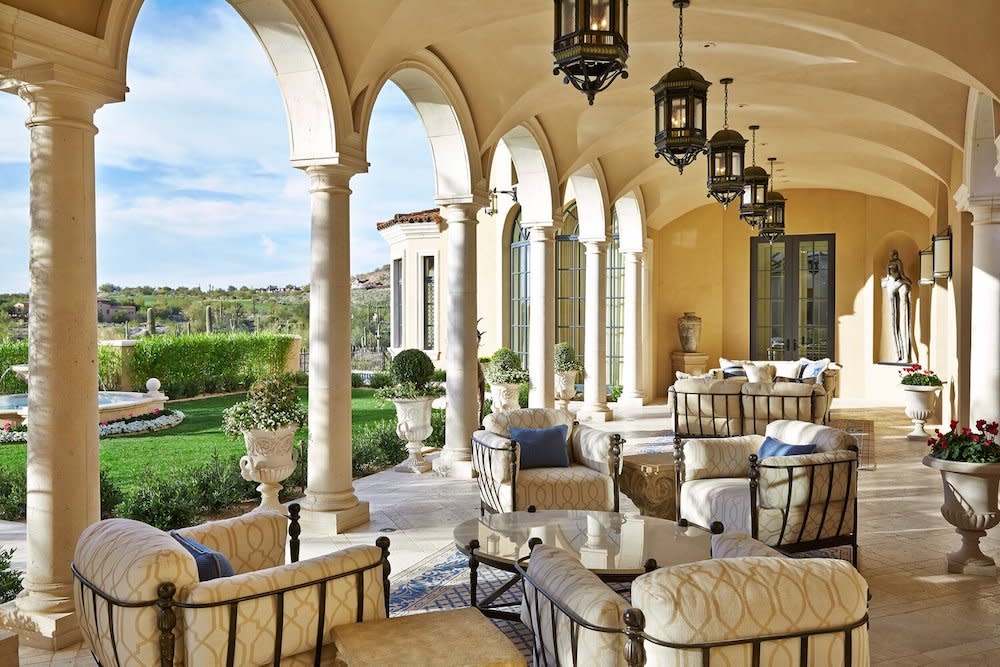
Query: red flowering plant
point(916, 376)
point(964, 444)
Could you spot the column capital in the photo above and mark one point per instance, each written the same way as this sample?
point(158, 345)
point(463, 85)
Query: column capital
point(985, 209)
point(634, 255)
point(539, 233)
point(332, 178)
point(595, 246)
point(459, 210)
point(58, 104)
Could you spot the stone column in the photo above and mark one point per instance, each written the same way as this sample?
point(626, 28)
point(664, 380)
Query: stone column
point(595, 400)
point(984, 376)
point(63, 484)
point(329, 487)
point(542, 315)
point(462, 353)
point(632, 393)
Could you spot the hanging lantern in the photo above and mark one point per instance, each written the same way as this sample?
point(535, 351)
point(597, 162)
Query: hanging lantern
point(772, 227)
point(752, 206)
point(927, 266)
point(726, 150)
point(591, 43)
point(679, 104)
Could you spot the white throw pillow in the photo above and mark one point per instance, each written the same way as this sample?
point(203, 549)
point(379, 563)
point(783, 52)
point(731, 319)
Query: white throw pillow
point(813, 369)
point(762, 373)
point(681, 375)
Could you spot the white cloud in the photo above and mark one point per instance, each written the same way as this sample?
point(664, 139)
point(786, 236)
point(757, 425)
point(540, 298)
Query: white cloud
point(269, 246)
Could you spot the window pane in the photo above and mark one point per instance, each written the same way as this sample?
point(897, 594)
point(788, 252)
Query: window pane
point(520, 275)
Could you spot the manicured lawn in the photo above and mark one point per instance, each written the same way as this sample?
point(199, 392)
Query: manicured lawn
point(127, 459)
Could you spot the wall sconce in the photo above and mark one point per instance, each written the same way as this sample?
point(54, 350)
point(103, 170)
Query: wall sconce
point(927, 266)
point(492, 208)
point(942, 254)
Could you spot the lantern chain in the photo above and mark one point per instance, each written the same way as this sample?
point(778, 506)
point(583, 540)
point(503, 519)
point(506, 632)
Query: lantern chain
point(725, 108)
point(680, 38)
point(753, 152)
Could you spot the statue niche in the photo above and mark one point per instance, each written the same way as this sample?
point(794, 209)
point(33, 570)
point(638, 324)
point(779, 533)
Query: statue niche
point(898, 291)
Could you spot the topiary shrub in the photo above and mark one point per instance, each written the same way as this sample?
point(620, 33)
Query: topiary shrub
point(379, 380)
point(440, 375)
point(411, 367)
point(505, 368)
point(357, 381)
point(10, 579)
point(565, 359)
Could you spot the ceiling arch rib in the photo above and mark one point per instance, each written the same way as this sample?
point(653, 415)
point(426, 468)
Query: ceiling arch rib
point(537, 189)
point(591, 197)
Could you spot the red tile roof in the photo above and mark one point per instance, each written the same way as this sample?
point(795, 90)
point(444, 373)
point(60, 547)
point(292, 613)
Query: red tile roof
point(430, 215)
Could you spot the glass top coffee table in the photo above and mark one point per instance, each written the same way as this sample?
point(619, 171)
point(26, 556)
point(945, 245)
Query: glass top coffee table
point(614, 546)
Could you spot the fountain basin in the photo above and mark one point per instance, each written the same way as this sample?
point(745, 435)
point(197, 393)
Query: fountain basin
point(111, 405)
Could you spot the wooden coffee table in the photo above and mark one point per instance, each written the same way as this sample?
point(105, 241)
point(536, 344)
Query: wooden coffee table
point(613, 545)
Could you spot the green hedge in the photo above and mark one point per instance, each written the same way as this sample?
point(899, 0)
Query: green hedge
point(208, 363)
point(13, 352)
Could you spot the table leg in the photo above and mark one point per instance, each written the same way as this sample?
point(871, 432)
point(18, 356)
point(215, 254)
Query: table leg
point(473, 572)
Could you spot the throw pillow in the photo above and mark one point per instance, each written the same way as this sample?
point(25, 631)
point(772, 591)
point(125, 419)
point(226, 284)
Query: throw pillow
point(774, 447)
point(542, 447)
point(211, 564)
point(763, 373)
point(813, 369)
point(733, 371)
point(681, 375)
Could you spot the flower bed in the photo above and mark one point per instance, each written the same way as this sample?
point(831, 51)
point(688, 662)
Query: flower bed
point(157, 420)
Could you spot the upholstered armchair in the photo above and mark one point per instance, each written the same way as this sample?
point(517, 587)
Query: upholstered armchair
point(589, 483)
point(738, 610)
point(792, 503)
point(140, 601)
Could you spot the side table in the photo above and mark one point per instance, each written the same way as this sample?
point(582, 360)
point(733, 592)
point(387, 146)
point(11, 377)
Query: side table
point(648, 480)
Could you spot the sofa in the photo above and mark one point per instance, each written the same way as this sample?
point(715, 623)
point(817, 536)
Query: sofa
point(590, 482)
point(140, 601)
point(746, 606)
point(802, 370)
point(793, 503)
point(704, 407)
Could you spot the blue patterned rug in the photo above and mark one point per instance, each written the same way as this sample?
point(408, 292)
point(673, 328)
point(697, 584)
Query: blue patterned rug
point(441, 581)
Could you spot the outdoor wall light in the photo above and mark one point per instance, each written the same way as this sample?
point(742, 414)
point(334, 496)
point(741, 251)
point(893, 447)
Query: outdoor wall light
point(927, 266)
point(591, 43)
point(942, 254)
point(491, 209)
point(726, 150)
point(679, 104)
point(753, 204)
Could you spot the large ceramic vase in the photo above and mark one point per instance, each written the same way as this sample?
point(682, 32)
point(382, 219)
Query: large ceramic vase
point(271, 457)
point(970, 504)
point(919, 404)
point(689, 330)
point(504, 396)
point(565, 388)
point(413, 425)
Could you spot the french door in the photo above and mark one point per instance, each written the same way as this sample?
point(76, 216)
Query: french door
point(791, 297)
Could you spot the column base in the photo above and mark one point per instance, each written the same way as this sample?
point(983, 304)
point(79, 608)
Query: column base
point(51, 632)
point(636, 400)
point(595, 413)
point(340, 520)
point(445, 466)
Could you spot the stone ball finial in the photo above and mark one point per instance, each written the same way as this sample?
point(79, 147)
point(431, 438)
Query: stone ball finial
point(152, 385)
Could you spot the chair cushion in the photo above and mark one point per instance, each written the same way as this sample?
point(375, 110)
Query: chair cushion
point(798, 432)
point(774, 447)
point(542, 447)
point(759, 373)
point(726, 499)
point(575, 487)
point(738, 545)
point(813, 369)
point(250, 542)
point(526, 418)
point(211, 564)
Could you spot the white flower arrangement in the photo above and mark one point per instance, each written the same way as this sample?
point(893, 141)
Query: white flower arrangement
point(129, 426)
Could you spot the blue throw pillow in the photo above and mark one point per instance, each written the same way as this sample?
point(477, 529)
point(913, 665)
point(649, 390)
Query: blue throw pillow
point(733, 372)
point(542, 447)
point(774, 447)
point(211, 564)
point(814, 368)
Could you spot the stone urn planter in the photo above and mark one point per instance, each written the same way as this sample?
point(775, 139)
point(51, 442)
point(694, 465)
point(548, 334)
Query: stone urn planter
point(504, 396)
point(271, 457)
point(413, 425)
point(919, 402)
point(970, 504)
point(689, 331)
point(565, 388)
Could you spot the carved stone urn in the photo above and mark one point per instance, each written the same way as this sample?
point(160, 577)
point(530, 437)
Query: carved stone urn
point(689, 330)
point(565, 388)
point(919, 402)
point(505, 396)
point(270, 459)
point(970, 504)
point(413, 425)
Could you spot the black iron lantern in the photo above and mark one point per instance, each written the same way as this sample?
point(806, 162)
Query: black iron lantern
point(591, 43)
point(773, 226)
point(725, 151)
point(679, 102)
point(752, 206)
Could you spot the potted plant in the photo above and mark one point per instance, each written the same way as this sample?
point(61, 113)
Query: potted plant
point(267, 420)
point(969, 462)
point(920, 391)
point(411, 371)
point(567, 367)
point(505, 376)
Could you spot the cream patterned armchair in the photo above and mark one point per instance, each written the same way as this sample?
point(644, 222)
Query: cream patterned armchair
point(589, 483)
point(140, 602)
point(734, 611)
point(792, 503)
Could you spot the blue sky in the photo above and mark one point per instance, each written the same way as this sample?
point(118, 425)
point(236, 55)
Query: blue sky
point(194, 186)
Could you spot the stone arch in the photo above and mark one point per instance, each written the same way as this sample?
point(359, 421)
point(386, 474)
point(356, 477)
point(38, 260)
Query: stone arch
point(631, 224)
point(981, 160)
point(305, 63)
point(590, 191)
point(537, 190)
point(446, 118)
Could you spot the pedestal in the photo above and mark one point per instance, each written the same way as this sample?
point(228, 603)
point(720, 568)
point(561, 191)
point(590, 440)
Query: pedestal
point(648, 480)
point(692, 363)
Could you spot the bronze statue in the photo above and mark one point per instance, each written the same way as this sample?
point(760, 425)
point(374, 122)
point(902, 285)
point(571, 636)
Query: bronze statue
point(898, 289)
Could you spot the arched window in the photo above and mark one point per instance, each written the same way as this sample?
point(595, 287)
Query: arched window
point(615, 306)
point(570, 288)
point(520, 275)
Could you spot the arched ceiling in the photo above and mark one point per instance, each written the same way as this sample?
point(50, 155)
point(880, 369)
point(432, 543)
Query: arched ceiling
point(850, 94)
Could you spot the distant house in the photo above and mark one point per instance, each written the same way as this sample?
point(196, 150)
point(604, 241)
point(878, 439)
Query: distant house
point(19, 311)
point(107, 309)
